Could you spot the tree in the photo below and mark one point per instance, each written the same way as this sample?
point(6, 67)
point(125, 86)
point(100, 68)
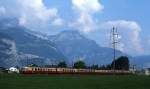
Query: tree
point(103, 67)
point(33, 65)
point(3, 70)
point(79, 64)
point(94, 67)
point(122, 63)
point(108, 67)
point(62, 64)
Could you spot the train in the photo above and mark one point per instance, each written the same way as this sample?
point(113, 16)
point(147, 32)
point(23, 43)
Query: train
point(42, 70)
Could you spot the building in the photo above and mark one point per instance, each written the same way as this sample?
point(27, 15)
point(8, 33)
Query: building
point(13, 70)
point(147, 71)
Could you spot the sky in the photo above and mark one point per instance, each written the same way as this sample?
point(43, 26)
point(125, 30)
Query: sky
point(93, 18)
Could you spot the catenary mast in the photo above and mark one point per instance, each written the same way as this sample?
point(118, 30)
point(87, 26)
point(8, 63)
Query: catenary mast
point(114, 37)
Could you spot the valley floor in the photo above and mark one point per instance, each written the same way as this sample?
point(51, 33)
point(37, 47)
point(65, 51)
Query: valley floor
point(73, 82)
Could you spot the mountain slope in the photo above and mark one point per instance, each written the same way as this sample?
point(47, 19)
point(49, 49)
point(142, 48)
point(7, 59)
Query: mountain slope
point(7, 50)
point(9, 56)
point(141, 61)
point(27, 43)
point(76, 46)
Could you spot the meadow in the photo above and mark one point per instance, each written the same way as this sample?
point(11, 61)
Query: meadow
point(74, 82)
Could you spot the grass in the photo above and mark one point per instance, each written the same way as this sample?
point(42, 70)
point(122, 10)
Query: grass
point(73, 82)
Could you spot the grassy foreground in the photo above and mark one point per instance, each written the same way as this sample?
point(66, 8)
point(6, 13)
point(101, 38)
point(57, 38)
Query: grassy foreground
point(73, 82)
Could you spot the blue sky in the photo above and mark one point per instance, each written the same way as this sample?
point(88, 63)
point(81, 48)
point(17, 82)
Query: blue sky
point(114, 9)
point(93, 18)
point(129, 10)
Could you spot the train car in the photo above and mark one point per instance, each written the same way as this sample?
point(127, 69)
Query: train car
point(42, 70)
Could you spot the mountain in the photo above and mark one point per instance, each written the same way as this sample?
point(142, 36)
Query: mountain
point(9, 56)
point(28, 43)
point(20, 46)
point(7, 50)
point(75, 46)
point(141, 61)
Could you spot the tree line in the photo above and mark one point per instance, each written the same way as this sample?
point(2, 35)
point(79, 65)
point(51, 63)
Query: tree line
point(121, 63)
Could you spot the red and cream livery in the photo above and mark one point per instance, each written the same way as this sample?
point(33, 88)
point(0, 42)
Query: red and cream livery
point(42, 70)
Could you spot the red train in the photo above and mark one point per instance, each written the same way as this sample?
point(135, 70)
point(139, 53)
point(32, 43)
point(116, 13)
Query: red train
point(40, 70)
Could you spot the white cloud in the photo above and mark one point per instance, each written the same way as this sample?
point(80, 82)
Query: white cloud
point(23, 20)
point(37, 8)
point(31, 13)
point(85, 22)
point(130, 35)
point(85, 9)
point(87, 6)
point(34, 14)
point(57, 22)
point(2, 10)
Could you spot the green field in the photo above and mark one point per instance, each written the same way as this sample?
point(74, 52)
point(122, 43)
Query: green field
point(73, 82)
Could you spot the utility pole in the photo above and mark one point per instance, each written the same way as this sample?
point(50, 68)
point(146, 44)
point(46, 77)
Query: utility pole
point(114, 37)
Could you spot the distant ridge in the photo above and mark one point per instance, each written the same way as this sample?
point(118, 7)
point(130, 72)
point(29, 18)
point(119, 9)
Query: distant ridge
point(28, 43)
point(75, 46)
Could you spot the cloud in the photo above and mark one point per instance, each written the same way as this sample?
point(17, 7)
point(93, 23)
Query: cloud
point(2, 10)
point(23, 20)
point(130, 35)
point(35, 15)
point(85, 22)
point(87, 6)
point(57, 22)
point(31, 13)
point(86, 9)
